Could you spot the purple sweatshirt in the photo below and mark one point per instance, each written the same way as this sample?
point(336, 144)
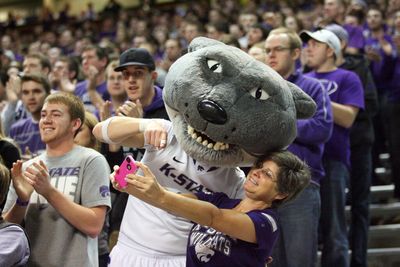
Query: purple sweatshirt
point(344, 87)
point(26, 133)
point(81, 91)
point(313, 133)
point(382, 71)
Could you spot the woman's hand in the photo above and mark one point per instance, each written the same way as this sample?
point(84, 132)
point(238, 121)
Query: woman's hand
point(145, 187)
point(112, 179)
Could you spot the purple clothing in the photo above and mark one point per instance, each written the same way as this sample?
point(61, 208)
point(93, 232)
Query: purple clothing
point(208, 247)
point(313, 133)
point(394, 92)
point(382, 71)
point(157, 102)
point(81, 91)
point(356, 36)
point(26, 134)
point(344, 87)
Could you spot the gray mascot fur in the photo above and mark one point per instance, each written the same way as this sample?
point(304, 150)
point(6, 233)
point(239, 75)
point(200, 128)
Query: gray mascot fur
point(227, 108)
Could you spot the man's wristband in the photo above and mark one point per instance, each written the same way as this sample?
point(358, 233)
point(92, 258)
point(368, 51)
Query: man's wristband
point(21, 203)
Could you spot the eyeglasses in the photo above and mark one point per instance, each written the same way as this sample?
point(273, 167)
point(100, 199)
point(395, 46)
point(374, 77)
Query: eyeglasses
point(137, 74)
point(267, 173)
point(277, 49)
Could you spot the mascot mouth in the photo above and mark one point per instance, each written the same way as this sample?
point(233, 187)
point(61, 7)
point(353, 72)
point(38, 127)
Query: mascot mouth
point(206, 141)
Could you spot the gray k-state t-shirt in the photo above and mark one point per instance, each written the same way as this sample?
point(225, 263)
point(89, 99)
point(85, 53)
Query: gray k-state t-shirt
point(82, 176)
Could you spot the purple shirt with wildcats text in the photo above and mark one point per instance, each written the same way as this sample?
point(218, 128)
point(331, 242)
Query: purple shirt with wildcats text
point(344, 87)
point(313, 133)
point(209, 247)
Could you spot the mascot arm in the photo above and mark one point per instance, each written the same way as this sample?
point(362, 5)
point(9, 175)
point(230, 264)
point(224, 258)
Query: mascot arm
point(120, 130)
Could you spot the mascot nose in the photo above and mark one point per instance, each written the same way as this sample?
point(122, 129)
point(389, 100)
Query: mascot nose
point(212, 112)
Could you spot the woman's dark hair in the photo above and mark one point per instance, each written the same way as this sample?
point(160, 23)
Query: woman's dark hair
point(4, 182)
point(3, 78)
point(293, 175)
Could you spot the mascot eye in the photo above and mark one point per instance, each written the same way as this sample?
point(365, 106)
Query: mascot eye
point(259, 93)
point(214, 66)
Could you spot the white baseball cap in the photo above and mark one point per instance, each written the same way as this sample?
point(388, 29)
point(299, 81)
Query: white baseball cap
point(323, 36)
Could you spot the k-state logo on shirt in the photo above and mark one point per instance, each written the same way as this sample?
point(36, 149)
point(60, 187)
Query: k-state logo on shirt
point(330, 86)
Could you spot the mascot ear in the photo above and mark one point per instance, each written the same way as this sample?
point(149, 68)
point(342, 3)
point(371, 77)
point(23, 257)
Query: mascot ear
point(201, 42)
point(305, 105)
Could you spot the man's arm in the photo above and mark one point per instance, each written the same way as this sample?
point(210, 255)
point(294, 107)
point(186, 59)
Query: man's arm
point(344, 115)
point(87, 220)
point(318, 129)
point(19, 194)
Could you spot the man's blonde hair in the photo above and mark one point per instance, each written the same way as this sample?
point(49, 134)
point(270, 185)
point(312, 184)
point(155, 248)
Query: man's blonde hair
point(294, 38)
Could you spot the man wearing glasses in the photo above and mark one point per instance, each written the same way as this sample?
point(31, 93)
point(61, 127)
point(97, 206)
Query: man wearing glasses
point(297, 244)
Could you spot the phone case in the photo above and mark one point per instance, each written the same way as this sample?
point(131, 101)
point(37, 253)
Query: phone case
point(128, 166)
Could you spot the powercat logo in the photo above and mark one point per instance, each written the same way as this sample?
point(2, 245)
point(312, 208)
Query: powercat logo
point(182, 180)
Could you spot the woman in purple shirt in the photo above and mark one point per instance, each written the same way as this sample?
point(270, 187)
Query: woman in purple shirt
point(230, 232)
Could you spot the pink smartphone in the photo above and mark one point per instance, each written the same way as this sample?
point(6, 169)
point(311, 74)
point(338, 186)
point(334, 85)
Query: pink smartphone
point(128, 166)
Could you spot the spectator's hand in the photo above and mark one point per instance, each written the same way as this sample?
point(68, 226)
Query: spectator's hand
point(93, 72)
point(66, 85)
point(155, 134)
point(52, 78)
point(22, 187)
point(38, 176)
point(372, 54)
point(105, 110)
point(13, 89)
point(2, 105)
point(130, 109)
point(144, 187)
point(386, 46)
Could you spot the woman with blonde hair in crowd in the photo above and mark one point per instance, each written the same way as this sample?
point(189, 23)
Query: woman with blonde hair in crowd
point(114, 88)
point(85, 137)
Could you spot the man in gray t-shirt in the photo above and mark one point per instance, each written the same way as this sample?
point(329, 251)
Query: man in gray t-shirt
point(63, 194)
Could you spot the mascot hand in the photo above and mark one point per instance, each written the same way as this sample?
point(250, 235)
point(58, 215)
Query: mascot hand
point(155, 134)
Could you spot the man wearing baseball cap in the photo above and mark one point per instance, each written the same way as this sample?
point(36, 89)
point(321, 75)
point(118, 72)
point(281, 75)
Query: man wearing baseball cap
point(139, 75)
point(346, 94)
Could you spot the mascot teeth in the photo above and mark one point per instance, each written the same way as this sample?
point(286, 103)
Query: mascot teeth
point(202, 139)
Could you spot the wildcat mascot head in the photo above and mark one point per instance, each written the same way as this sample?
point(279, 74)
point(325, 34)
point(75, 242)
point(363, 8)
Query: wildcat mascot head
point(227, 108)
